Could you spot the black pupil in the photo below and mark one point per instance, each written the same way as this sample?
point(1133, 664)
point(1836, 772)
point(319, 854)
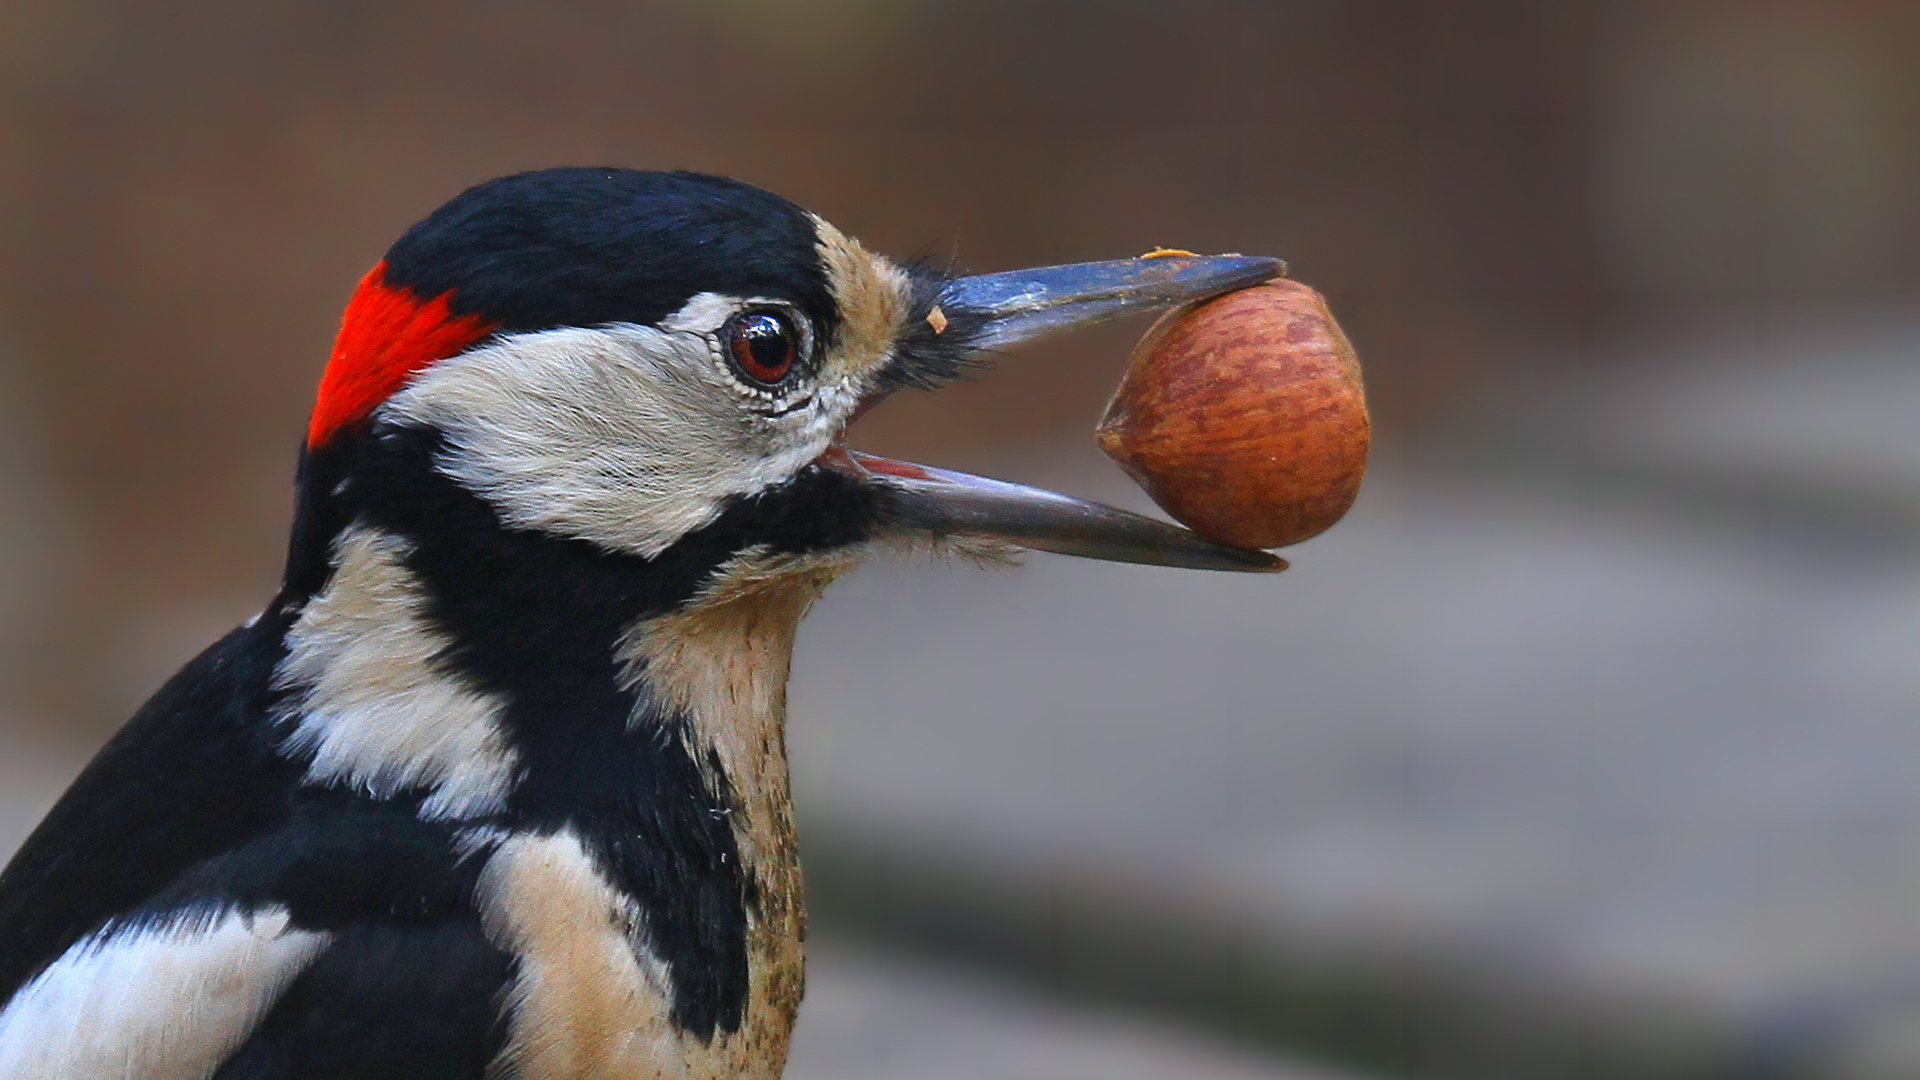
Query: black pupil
point(769, 344)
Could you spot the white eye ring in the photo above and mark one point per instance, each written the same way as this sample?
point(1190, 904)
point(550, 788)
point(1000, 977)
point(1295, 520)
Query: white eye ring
point(766, 398)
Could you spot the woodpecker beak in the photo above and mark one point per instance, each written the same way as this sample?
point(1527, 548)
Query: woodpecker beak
point(919, 498)
point(1022, 305)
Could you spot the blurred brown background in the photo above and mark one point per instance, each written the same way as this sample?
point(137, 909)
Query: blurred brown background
point(1503, 199)
point(188, 192)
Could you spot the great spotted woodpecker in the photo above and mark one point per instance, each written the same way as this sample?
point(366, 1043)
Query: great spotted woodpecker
point(496, 785)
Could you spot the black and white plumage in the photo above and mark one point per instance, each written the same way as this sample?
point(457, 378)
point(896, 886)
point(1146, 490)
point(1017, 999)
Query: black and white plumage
point(496, 785)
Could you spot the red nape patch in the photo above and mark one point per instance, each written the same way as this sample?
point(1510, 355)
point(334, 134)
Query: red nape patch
point(386, 335)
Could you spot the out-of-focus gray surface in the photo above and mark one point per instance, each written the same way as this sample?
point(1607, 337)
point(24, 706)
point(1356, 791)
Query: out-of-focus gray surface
point(1624, 756)
point(1802, 430)
point(1542, 750)
point(879, 1018)
point(1828, 403)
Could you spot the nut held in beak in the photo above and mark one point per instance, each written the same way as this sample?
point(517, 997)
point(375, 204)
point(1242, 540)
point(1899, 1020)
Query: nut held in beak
point(1244, 417)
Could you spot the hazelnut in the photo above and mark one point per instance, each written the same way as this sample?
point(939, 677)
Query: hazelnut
point(1243, 416)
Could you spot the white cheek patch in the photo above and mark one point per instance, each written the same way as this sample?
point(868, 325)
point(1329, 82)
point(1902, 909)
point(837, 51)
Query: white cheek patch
point(165, 1001)
point(626, 436)
point(372, 704)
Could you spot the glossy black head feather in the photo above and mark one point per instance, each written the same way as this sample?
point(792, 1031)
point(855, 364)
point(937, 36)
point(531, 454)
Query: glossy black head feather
point(592, 246)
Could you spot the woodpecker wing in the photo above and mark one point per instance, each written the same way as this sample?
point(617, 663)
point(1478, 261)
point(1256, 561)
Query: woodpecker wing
point(186, 905)
point(384, 999)
point(183, 782)
point(237, 994)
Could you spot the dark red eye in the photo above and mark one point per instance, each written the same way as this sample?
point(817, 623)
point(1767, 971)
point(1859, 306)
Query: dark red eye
point(764, 345)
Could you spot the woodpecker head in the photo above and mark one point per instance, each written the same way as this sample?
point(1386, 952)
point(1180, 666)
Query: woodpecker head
point(639, 360)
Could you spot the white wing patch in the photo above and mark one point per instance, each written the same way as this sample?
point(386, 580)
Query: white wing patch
point(373, 704)
point(163, 1001)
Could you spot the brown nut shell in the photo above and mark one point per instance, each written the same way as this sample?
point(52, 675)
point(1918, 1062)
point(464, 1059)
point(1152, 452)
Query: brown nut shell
point(1244, 417)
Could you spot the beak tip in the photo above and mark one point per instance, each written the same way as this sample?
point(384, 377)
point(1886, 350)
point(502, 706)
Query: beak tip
point(1253, 561)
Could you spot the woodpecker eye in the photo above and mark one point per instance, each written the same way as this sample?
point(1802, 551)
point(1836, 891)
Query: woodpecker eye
point(764, 345)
